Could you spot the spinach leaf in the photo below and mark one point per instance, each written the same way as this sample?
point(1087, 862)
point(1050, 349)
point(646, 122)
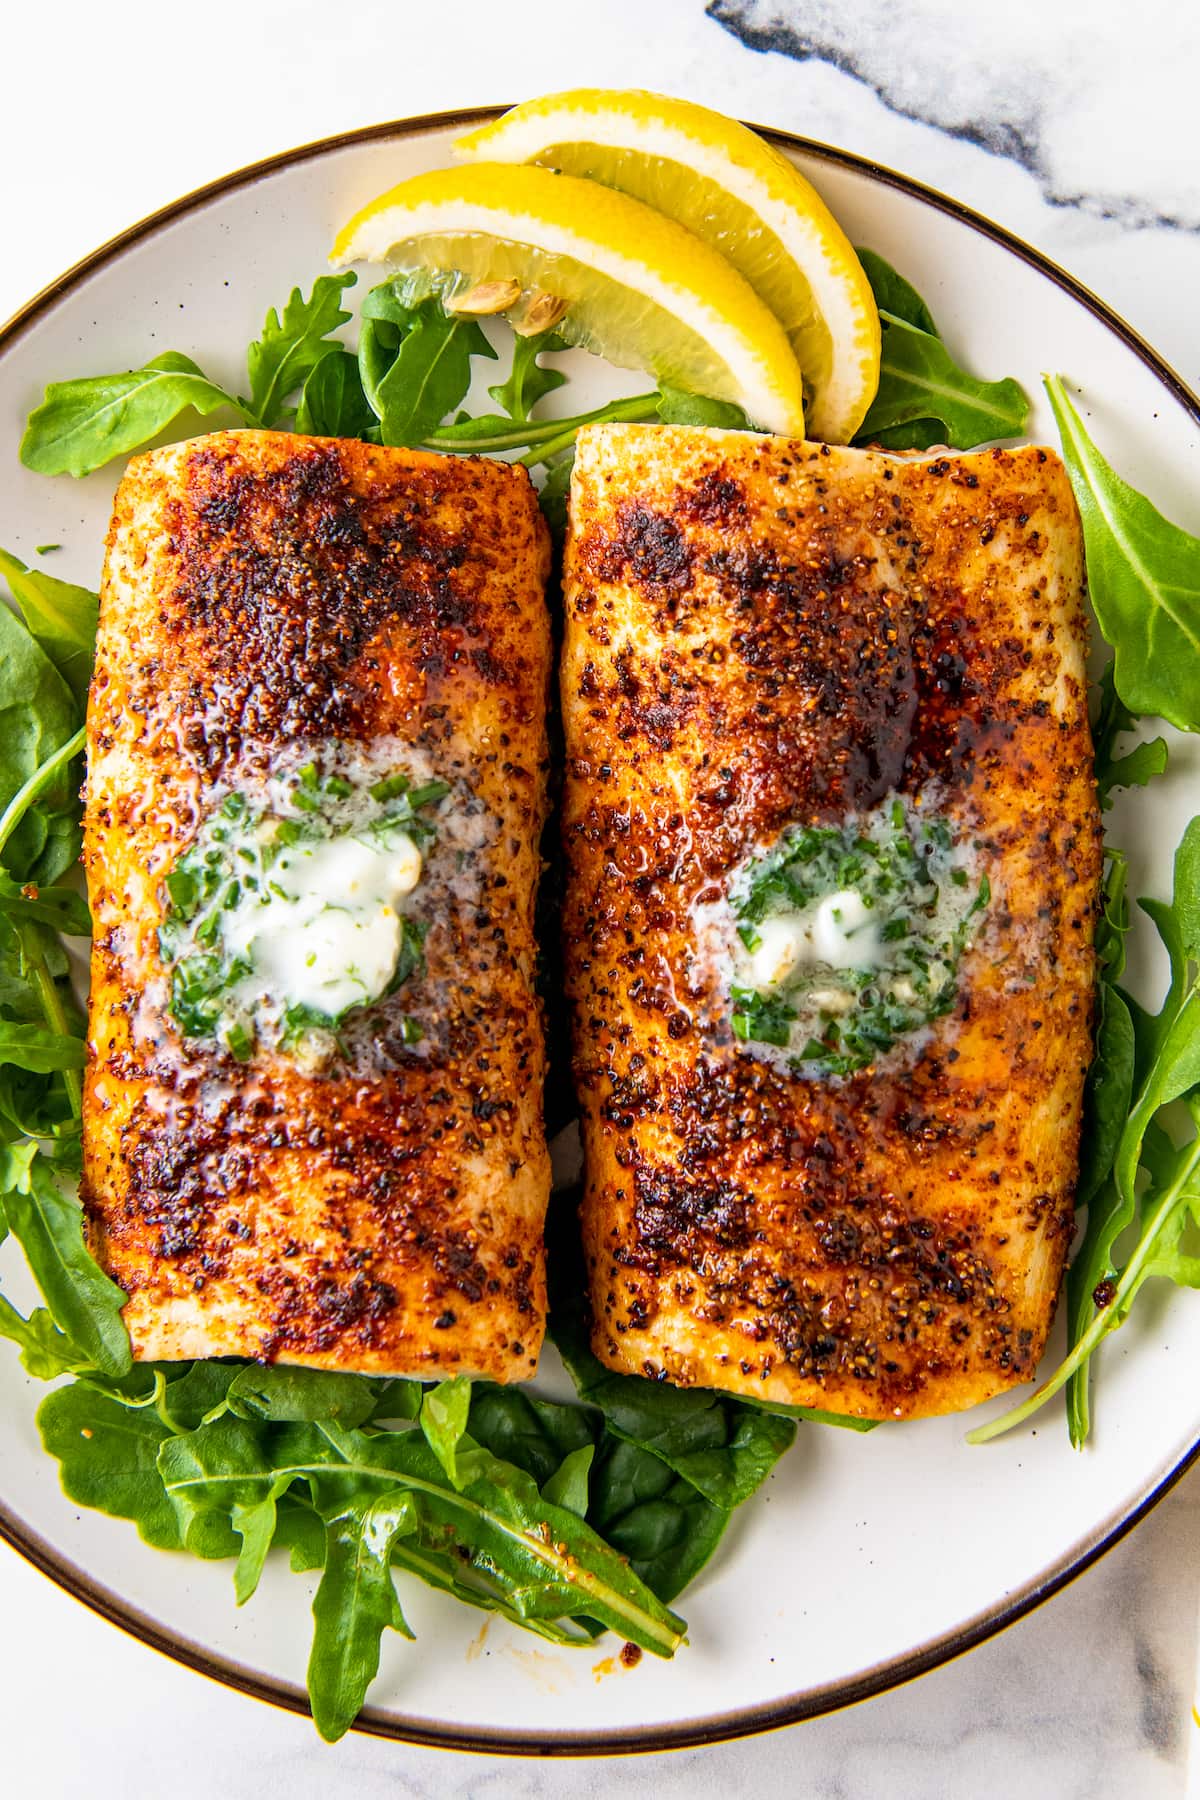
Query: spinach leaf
point(924, 396)
point(537, 1435)
point(724, 1450)
point(61, 618)
point(48, 1224)
point(332, 402)
point(38, 719)
point(292, 345)
point(287, 1395)
point(568, 1486)
point(664, 1525)
point(83, 424)
point(893, 294)
point(1143, 577)
point(721, 1447)
point(108, 1459)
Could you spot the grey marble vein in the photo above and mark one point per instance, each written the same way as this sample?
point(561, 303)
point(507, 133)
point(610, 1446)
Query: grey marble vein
point(1020, 83)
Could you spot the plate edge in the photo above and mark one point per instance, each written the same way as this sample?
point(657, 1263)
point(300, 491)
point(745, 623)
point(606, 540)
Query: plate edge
point(773, 1715)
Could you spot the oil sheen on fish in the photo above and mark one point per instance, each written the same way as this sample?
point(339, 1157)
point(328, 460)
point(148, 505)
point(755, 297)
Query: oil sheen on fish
point(834, 851)
point(317, 783)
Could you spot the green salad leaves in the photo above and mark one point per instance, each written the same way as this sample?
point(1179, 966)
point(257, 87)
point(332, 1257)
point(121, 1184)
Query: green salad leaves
point(406, 385)
point(1143, 576)
point(45, 656)
point(924, 396)
point(83, 424)
point(565, 1519)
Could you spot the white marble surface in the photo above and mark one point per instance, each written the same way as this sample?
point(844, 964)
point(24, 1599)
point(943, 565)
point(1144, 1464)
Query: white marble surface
point(1071, 122)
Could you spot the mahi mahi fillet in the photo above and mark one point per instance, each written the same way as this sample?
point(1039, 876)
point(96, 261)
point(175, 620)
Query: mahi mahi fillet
point(267, 595)
point(762, 634)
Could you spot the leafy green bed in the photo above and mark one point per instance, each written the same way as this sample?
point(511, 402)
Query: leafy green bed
point(564, 1519)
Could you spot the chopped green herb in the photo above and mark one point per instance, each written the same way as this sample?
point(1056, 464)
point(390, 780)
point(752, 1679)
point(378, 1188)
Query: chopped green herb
point(896, 866)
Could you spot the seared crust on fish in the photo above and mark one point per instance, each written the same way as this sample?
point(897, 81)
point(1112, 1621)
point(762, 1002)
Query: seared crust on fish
point(264, 593)
point(762, 633)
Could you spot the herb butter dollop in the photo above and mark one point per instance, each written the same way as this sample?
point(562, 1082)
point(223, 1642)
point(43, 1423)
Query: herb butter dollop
point(282, 918)
point(849, 937)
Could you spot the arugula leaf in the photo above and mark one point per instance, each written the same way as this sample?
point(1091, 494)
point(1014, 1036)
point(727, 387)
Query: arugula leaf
point(1138, 766)
point(554, 493)
point(1143, 577)
point(568, 1486)
point(676, 407)
point(48, 1224)
point(256, 1525)
point(300, 1531)
point(1109, 1087)
point(61, 617)
point(528, 382)
point(924, 396)
point(355, 1603)
point(81, 425)
point(443, 1420)
point(34, 1047)
point(547, 1563)
point(332, 402)
point(415, 363)
point(292, 345)
point(815, 1415)
point(45, 1351)
point(919, 381)
point(61, 908)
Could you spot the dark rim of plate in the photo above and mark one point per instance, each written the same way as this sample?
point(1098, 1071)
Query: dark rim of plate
point(745, 1720)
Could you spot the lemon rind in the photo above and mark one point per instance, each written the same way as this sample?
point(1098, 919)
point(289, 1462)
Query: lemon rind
point(754, 173)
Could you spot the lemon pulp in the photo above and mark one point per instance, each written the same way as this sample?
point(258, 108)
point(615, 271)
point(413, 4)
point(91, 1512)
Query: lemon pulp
point(746, 201)
point(641, 290)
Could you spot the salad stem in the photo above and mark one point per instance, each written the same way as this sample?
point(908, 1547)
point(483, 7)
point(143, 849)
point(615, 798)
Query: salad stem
point(56, 1019)
point(638, 409)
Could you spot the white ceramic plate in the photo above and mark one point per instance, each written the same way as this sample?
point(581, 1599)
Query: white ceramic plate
point(866, 1559)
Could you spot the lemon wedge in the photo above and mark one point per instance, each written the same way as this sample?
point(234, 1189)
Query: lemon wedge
point(640, 290)
point(729, 187)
